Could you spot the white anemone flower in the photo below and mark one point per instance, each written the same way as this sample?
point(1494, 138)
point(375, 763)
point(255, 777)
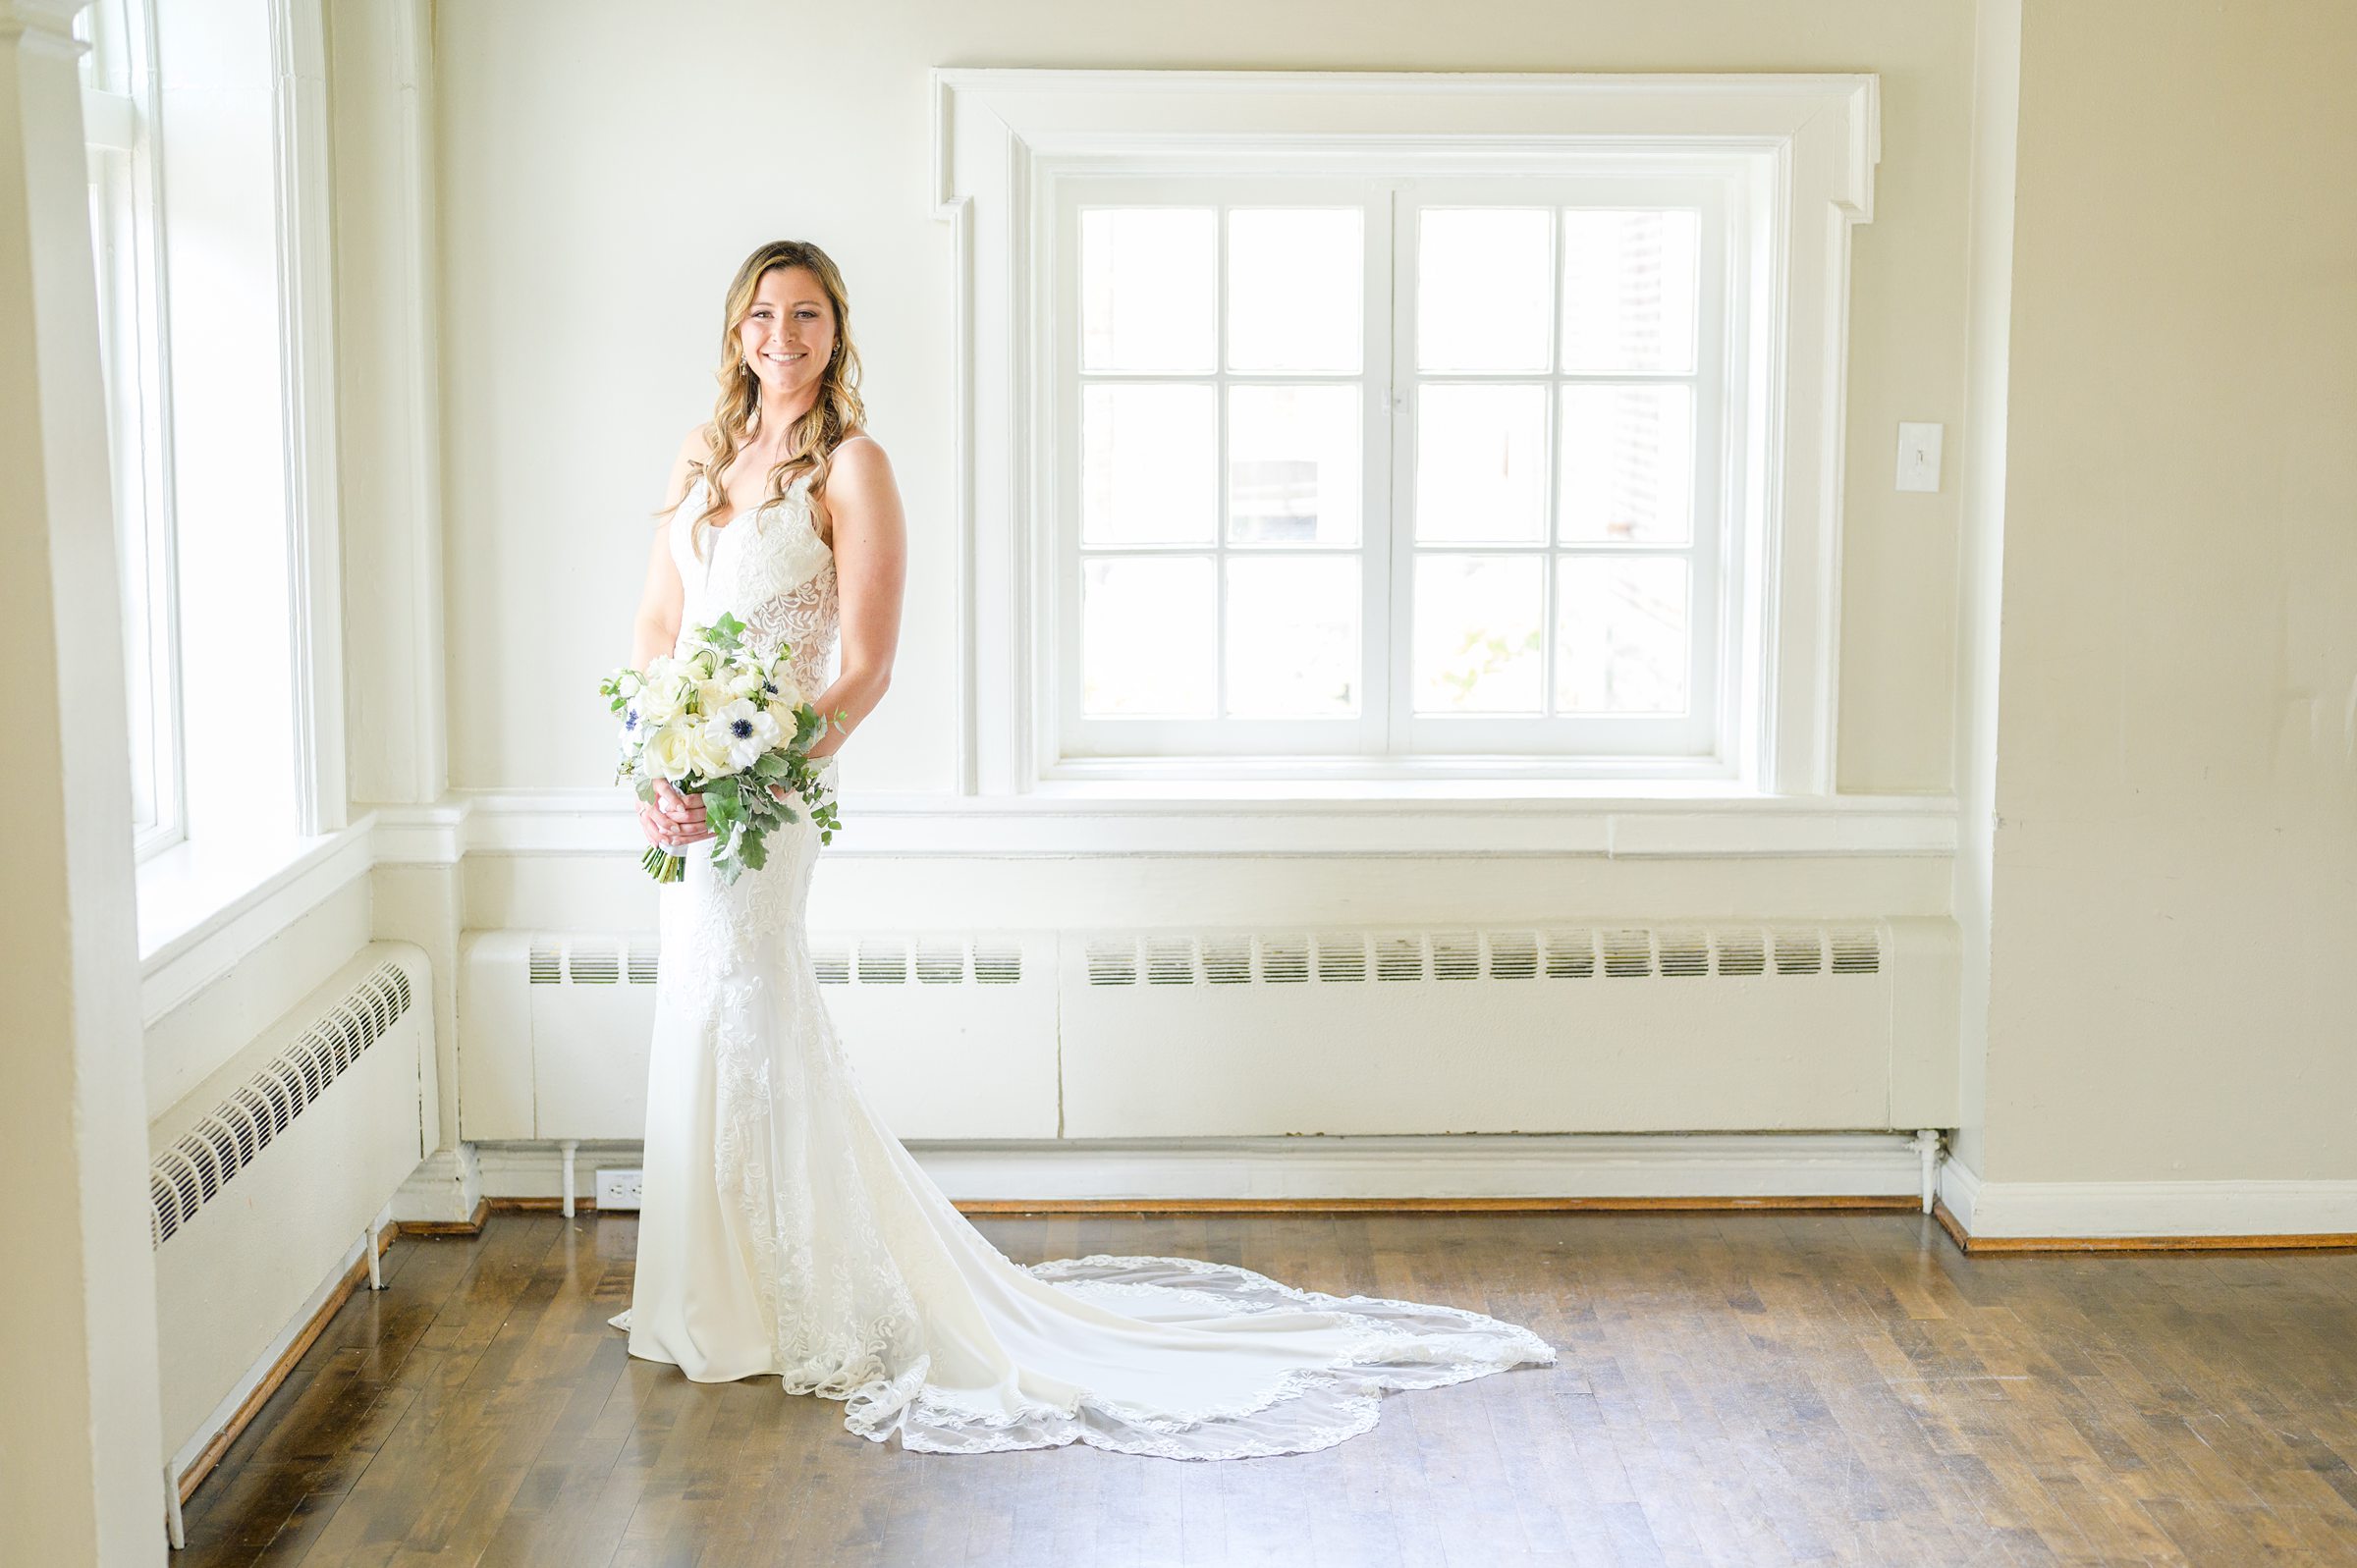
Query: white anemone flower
point(742, 733)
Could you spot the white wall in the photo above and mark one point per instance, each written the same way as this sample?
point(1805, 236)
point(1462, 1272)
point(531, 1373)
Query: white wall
point(2118, 634)
point(603, 171)
point(2175, 776)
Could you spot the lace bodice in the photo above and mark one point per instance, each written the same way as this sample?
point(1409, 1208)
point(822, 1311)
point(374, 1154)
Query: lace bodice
point(770, 569)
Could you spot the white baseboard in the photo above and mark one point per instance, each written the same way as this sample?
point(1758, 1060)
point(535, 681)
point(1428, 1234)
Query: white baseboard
point(2116, 1208)
point(1959, 1188)
point(1764, 1164)
point(1767, 1164)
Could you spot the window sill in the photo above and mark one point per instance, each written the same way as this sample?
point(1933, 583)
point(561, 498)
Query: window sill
point(206, 903)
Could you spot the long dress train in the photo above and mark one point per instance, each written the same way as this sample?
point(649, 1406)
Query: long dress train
point(786, 1233)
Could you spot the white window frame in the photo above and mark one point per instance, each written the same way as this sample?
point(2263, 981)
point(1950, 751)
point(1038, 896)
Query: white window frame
point(248, 80)
point(1011, 143)
point(118, 117)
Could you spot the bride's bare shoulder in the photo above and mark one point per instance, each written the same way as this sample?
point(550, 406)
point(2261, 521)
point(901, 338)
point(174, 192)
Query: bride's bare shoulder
point(693, 449)
point(862, 456)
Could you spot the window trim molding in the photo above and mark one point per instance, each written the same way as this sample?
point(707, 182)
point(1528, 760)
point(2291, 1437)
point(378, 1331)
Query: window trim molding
point(121, 117)
point(306, 354)
point(997, 132)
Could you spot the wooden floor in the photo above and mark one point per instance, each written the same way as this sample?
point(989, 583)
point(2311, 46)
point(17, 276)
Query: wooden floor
point(1746, 1388)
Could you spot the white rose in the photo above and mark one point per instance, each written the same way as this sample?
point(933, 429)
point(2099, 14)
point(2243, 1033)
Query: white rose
point(709, 751)
point(670, 751)
point(657, 706)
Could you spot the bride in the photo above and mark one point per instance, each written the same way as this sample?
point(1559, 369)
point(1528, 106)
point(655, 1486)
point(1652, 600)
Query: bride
point(784, 1231)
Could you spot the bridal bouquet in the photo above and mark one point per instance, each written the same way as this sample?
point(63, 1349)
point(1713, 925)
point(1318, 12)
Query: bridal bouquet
point(720, 721)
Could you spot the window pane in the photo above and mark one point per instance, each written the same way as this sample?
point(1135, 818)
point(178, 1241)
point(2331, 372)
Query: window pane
point(1621, 628)
point(1477, 633)
point(1292, 636)
point(1626, 461)
point(1481, 289)
point(1148, 636)
point(1294, 288)
point(1629, 289)
point(1149, 464)
point(1481, 463)
point(1149, 278)
point(1294, 464)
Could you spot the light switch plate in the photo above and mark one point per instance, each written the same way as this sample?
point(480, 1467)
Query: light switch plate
point(1919, 457)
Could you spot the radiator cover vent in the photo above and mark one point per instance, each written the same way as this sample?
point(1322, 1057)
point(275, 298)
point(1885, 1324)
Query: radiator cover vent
point(1573, 953)
point(558, 960)
point(192, 1172)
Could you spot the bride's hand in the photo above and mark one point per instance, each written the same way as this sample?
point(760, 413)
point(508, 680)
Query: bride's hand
point(673, 819)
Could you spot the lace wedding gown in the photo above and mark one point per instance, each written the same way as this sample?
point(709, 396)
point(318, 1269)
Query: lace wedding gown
point(786, 1233)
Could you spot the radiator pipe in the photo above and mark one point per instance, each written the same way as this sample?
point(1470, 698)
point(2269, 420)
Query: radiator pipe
point(572, 1147)
point(1926, 1150)
point(376, 1265)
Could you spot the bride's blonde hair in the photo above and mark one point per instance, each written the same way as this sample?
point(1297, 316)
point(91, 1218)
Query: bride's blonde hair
point(811, 441)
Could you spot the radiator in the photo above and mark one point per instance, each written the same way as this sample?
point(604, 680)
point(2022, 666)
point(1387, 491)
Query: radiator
point(1567, 1027)
point(264, 1177)
point(953, 1037)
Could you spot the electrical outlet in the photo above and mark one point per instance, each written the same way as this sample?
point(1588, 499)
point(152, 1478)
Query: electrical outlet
point(618, 1189)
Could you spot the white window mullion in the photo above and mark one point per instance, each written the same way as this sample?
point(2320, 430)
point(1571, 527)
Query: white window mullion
point(1550, 557)
point(1223, 480)
point(1381, 496)
point(1400, 548)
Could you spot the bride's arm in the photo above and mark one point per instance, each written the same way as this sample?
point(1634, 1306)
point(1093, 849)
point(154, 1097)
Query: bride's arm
point(657, 625)
point(675, 819)
point(871, 567)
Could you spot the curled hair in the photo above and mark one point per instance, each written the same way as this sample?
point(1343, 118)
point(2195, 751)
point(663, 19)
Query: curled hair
point(811, 441)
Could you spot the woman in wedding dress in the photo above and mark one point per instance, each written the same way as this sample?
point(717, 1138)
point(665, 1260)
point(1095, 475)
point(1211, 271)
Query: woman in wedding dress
point(783, 1230)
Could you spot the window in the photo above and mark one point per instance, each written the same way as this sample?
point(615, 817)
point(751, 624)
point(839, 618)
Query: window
point(119, 120)
point(1397, 472)
point(207, 125)
point(1402, 427)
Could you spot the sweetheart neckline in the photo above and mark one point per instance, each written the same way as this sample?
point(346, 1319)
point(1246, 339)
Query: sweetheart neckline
point(724, 527)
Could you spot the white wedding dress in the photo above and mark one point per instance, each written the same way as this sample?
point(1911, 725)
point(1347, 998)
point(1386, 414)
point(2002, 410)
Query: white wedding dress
point(786, 1233)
